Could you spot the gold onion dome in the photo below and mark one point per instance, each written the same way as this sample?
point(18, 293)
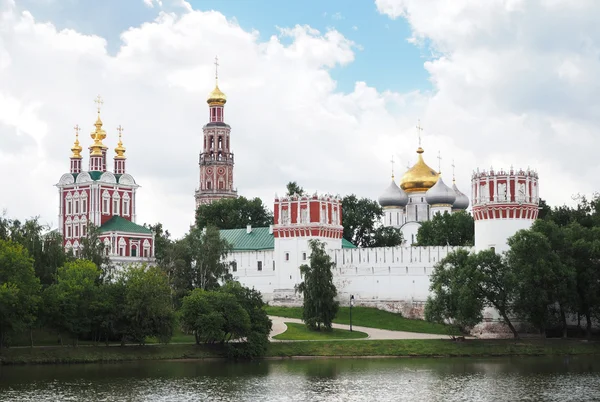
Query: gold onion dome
point(216, 97)
point(120, 149)
point(77, 148)
point(420, 177)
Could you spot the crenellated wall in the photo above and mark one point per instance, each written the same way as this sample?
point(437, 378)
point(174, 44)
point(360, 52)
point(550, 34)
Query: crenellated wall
point(374, 276)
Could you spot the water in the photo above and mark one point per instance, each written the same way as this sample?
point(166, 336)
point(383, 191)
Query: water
point(499, 379)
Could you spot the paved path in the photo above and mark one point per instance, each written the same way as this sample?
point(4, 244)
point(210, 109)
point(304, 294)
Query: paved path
point(279, 327)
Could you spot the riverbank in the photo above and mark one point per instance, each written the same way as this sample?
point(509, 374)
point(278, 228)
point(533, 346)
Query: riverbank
point(364, 348)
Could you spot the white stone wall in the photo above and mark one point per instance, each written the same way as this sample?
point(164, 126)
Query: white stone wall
point(495, 232)
point(372, 275)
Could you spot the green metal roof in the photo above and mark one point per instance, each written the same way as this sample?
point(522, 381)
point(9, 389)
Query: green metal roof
point(347, 244)
point(257, 239)
point(118, 224)
point(95, 175)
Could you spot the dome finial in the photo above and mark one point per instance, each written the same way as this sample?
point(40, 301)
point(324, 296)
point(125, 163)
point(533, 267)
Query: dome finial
point(120, 149)
point(439, 158)
point(453, 175)
point(76, 146)
point(419, 131)
point(216, 97)
point(392, 167)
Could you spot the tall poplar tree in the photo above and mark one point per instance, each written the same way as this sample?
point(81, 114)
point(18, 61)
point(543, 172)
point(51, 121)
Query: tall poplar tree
point(318, 289)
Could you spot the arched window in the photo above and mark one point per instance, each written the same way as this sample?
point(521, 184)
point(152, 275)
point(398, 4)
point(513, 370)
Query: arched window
point(122, 247)
point(208, 185)
point(146, 249)
point(105, 203)
point(126, 202)
point(84, 201)
point(116, 203)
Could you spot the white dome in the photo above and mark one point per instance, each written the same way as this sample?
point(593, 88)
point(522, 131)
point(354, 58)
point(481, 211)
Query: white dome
point(393, 196)
point(462, 201)
point(440, 193)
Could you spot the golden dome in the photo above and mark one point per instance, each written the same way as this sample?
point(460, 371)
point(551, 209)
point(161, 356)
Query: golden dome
point(120, 149)
point(216, 97)
point(420, 177)
point(76, 147)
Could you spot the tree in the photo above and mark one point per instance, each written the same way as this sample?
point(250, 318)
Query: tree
point(387, 236)
point(456, 229)
point(162, 244)
point(495, 282)
point(148, 310)
point(318, 289)
point(361, 217)
point(214, 316)
point(67, 303)
point(233, 213)
point(19, 289)
point(543, 278)
point(294, 189)
point(455, 296)
point(93, 249)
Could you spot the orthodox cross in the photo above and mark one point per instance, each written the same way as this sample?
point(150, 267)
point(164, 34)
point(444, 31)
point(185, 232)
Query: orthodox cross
point(439, 157)
point(99, 102)
point(216, 67)
point(77, 130)
point(453, 167)
point(419, 131)
point(120, 130)
point(392, 167)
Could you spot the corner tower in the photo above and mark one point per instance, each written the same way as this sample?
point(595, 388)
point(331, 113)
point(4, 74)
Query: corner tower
point(216, 158)
point(503, 203)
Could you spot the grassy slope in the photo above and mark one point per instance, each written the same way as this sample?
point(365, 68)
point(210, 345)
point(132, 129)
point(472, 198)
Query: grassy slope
point(299, 332)
point(406, 348)
point(372, 318)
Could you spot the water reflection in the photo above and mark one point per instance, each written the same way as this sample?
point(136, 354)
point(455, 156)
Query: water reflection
point(548, 379)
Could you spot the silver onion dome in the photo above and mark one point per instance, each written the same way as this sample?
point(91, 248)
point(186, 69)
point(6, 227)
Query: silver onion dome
point(440, 193)
point(462, 201)
point(393, 196)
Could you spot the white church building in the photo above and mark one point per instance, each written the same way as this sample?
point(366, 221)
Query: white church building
point(391, 278)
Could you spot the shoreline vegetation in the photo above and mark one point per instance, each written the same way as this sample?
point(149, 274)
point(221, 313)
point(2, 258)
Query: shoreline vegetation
point(475, 348)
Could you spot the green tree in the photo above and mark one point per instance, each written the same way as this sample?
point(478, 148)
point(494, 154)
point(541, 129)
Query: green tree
point(148, 310)
point(361, 218)
point(108, 312)
point(19, 290)
point(456, 229)
point(202, 264)
point(93, 249)
point(233, 213)
point(294, 189)
point(318, 289)
point(455, 292)
point(214, 316)
point(68, 303)
point(387, 236)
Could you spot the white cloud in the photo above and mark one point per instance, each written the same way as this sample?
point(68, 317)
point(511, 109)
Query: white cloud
point(504, 93)
point(337, 16)
point(515, 82)
point(150, 3)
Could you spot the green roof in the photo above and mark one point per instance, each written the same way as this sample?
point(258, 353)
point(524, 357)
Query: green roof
point(257, 239)
point(95, 175)
point(347, 244)
point(118, 224)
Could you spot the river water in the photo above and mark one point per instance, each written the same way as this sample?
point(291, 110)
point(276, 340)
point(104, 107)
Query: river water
point(493, 379)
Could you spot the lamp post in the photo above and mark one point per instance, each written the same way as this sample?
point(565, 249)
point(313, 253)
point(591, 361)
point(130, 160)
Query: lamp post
point(351, 305)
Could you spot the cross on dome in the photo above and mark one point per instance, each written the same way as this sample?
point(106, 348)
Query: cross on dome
point(439, 157)
point(419, 131)
point(392, 167)
point(99, 102)
point(453, 168)
point(216, 68)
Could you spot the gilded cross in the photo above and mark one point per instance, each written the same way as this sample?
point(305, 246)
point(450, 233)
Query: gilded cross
point(392, 167)
point(453, 167)
point(419, 131)
point(439, 157)
point(77, 130)
point(99, 102)
point(216, 67)
point(120, 130)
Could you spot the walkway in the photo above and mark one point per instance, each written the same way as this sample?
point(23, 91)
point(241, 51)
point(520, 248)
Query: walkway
point(279, 327)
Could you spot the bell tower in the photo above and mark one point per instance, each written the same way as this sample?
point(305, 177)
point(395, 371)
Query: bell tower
point(216, 158)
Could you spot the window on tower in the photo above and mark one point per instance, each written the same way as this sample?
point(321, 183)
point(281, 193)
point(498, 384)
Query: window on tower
point(259, 265)
point(126, 206)
point(208, 185)
point(68, 207)
point(76, 206)
point(221, 185)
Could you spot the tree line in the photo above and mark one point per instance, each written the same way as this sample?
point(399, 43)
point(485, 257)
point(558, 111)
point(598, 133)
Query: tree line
point(550, 274)
point(190, 289)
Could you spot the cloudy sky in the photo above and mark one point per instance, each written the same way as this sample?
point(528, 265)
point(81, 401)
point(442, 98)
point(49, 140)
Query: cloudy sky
point(318, 92)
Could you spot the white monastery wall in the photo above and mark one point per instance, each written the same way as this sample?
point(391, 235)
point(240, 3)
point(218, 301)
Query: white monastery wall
point(495, 232)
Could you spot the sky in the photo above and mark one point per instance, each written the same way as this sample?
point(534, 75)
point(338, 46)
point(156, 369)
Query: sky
point(323, 93)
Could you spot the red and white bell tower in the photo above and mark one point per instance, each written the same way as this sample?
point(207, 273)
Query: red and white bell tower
point(216, 159)
point(504, 202)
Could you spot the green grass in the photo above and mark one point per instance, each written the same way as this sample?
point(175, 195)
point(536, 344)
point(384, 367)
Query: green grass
point(434, 348)
point(348, 348)
point(372, 318)
point(299, 332)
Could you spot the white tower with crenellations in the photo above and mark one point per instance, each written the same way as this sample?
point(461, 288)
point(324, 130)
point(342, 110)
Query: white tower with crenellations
point(504, 202)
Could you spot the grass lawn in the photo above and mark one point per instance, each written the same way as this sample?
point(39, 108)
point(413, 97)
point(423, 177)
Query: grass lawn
point(299, 332)
point(372, 318)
